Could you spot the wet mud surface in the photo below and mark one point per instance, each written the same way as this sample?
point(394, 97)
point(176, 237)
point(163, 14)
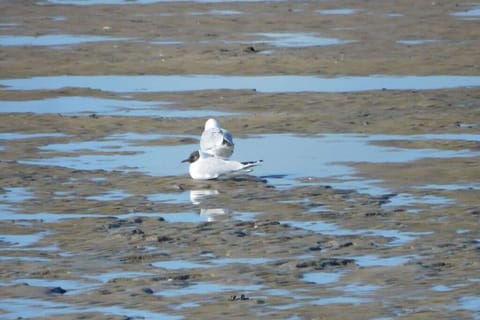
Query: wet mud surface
point(366, 206)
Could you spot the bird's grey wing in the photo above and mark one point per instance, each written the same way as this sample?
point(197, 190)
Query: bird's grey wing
point(227, 137)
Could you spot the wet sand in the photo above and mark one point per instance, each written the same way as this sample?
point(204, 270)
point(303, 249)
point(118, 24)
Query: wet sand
point(119, 244)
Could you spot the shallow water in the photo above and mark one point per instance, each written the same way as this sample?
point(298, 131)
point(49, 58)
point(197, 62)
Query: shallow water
point(404, 199)
point(417, 41)
point(344, 11)
point(337, 151)
point(378, 261)
point(471, 13)
point(29, 308)
point(15, 241)
point(53, 40)
point(318, 277)
point(297, 40)
point(198, 288)
point(78, 105)
point(72, 287)
point(270, 84)
point(396, 237)
point(17, 135)
point(216, 262)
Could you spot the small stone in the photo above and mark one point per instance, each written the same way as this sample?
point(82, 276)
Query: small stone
point(240, 233)
point(114, 225)
point(163, 238)
point(147, 290)
point(182, 277)
point(57, 290)
point(137, 231)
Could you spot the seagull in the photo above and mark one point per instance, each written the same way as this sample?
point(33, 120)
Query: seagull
point(216, 141)
point(206, 167)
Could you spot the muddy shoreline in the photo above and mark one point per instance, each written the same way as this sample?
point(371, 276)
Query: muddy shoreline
point(385, 240)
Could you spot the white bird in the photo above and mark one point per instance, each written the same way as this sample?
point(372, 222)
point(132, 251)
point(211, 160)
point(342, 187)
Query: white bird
point(215, 140)
point(206, 167)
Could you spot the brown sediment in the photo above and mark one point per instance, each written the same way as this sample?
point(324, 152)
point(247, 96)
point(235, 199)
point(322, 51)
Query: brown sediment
point(131, 232)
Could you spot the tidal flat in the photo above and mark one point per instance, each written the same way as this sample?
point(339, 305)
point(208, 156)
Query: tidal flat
point(367, 117)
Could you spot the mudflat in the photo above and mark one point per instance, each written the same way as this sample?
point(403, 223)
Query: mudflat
point(366, 205)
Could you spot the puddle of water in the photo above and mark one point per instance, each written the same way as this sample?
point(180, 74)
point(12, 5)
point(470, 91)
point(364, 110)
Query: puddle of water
point(182, 197)
point(44, 217)
point(8, 25)
point(185, 305)
point(268, 84)
point(178, 264)
point(404, 199)
point(19, 136)
point(376, 261)
point(166, 42)
point(200, 288)
point(58, 18)
point(111, 195)
point(78, 105)
point(441, 288)
point(216, 13)
point(451, 187)
point(71, 286)
point(336, 148)
point(21, 240)
point(341, 300)
point(471, 13)
point(298, 40)
point(221, 262)
point(227, 261)
point(358, 288)
point(31, 308)
point(321, 277)
point(187, 217)
point(397, 238)
point(470, 303)
point(25, 259)
point(416, 42)
point(16, 194)
point(338, 11)
point(105, 277)
point(53, 40)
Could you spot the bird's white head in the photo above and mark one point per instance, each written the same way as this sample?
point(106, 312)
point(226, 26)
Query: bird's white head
point(211, 123)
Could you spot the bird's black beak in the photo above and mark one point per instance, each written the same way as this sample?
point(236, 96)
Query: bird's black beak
point(193, 157)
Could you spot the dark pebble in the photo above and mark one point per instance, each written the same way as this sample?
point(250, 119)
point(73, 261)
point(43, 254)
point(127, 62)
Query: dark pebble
point(57, 290)
point(137, 231)
point(182, 277)
point(114, 225)
point(306, 264)
point(346, 244)
point(240, 233)
point(334, 262)
point(163, 238)
point(147, 290)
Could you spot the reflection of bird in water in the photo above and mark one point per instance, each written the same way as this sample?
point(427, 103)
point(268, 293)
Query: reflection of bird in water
point(196, 196)
point(211, 214)
point(205, 167)
point(216, 141)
